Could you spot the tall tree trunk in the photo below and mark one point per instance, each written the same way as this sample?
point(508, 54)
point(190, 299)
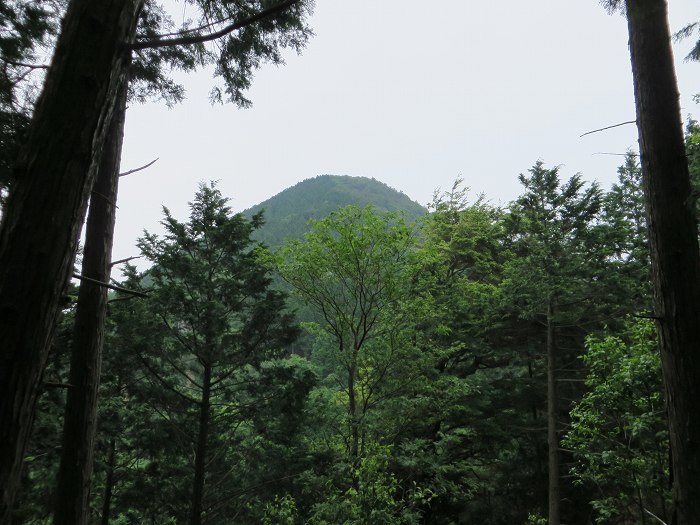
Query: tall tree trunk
point(200, 457)
point(75, 470)
point(109, 484)
point(354, 427)
point(552, 437)
point(673, 238)
point(45, 211)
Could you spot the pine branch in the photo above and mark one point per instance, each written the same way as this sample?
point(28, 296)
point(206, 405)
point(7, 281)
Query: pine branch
point(197, 39)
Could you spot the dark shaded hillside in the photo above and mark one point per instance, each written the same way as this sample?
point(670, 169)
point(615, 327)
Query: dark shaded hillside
point(287, 213)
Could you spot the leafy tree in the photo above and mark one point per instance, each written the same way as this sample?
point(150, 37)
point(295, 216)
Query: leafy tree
point(351, 268)
point(619, 432)
point(452, 429)
point(673, 235)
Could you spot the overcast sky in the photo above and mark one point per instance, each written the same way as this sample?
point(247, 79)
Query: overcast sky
point(412, 93)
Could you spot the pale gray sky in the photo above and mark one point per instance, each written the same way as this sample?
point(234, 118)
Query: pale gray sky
point(412, 93)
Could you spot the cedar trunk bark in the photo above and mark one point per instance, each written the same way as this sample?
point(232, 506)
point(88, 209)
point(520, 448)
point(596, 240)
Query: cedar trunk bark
point(552, 438)
point(75, 470)
point(45, 210)
point(200, 457)
point(673, 238)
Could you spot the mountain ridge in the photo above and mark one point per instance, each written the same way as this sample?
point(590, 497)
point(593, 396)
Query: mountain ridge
point(288, 212)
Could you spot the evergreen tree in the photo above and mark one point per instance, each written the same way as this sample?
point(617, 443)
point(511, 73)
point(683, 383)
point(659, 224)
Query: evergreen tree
point(217, 315)
point(555, 283)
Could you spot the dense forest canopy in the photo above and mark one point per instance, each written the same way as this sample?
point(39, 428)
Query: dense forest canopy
point(337, 354)
point(418, 390)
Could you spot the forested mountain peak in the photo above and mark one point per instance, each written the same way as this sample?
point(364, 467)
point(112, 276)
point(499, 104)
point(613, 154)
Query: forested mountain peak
point(288, 212)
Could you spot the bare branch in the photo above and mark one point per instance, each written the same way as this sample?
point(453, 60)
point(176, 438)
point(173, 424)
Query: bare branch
point(655, 516)
point(110, 286)
point(51, 384)
point(139, 169)
point(127, 259)
point(197, 39)
point(24, 64)
point(616, 154)
point(122, 298)
point(609, 127)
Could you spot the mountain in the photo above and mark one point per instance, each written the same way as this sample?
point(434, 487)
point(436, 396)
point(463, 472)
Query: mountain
point(288, 212)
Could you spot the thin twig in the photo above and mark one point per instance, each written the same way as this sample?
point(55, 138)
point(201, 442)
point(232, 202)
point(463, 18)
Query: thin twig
point(51, 384)
point(647, 316)
point(122, 298)
point(110, 286)
point(197, 39)
point(618, 154)
point(655, 516)
point(24, 64)
point(114, 263)
point(609, 127)
point(139, 169)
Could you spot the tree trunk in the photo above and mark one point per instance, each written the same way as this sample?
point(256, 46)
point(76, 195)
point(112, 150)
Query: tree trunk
point(75, 471)
point(552, 438)
point(352, 412)
point(673, 238)
point(354, 427)
point(109, 484)
point(44, 213)
point(200, 457)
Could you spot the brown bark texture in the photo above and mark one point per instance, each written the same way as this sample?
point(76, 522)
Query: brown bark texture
point(45, 211)
point(673, 239)
point(79, 424)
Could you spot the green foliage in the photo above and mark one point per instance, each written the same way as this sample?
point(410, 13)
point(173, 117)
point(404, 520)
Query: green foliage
point(281, 511)
point(692, 147)
point(685, 32)
point(209, 340)
point(619, 431)
point(26, 29)
point(235, 58)
point(626, 233)
point(377, 498)
point(419, 392)
point(555, 240)
point(350, 266)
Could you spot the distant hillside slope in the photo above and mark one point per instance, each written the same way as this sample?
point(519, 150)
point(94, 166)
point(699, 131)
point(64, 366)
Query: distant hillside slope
point(287, 213)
